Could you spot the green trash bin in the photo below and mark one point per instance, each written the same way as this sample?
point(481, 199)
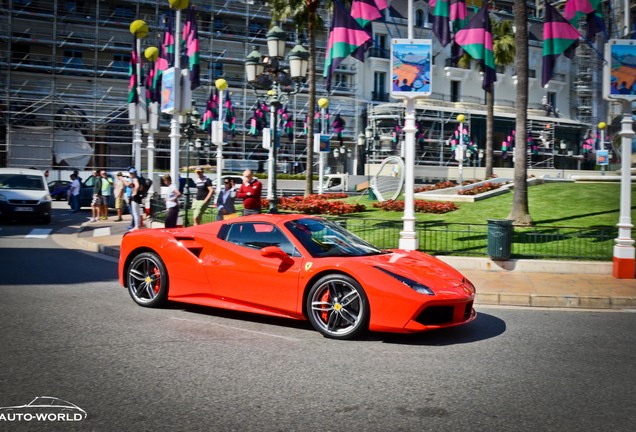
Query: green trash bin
point(499, 239)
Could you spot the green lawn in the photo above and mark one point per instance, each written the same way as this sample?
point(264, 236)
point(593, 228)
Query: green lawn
point(550, 204)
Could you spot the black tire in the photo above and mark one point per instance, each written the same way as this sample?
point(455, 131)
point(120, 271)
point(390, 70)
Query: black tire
point(147, 280)
point(337, 307)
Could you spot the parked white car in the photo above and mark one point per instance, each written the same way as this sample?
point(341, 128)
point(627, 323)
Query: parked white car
point(24, 194)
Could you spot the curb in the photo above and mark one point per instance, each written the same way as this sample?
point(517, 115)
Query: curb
point(555, 301)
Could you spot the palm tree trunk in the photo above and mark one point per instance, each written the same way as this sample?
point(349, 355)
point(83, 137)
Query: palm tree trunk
point(490, 127)
point(312, 7)
point(520, 210)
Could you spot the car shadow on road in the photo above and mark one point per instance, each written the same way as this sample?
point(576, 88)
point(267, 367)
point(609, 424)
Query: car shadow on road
point(484, 327)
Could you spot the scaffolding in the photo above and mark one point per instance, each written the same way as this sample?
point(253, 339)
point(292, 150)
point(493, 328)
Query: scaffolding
point(64, 66)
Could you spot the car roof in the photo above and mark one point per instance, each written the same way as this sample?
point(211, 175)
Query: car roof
point(26, 171)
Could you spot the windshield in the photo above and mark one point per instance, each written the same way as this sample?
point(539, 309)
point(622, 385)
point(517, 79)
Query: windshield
point(21, 181)
point(323, 238)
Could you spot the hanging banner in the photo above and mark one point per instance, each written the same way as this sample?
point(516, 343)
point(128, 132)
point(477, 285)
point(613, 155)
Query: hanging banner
point(411, 68)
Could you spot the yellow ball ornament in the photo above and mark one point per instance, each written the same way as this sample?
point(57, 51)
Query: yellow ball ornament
point(139, 28)
point(151, 53)
point(323, 102)
point(461, 118)
point(220, 84)
point(602, 125)
point(178, 4)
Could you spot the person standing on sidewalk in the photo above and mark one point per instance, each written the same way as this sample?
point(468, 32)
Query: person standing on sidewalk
point(118, 192)
point(74, 192)
point(204, 195)
point(225, 202)
point(172, 202)
point(250, 192)
point(96, 204)
point(135, 200)
point(106, 190)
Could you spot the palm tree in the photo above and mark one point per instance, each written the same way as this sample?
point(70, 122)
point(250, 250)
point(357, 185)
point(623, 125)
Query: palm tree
point(305, 16)
point(520, 211)
point(504, 54)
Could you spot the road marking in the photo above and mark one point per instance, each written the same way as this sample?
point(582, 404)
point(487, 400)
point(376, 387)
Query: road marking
point(101, 232)
point(240, 329)
point(39, 233)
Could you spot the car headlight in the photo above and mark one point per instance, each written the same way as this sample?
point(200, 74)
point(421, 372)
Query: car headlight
point(414, 285)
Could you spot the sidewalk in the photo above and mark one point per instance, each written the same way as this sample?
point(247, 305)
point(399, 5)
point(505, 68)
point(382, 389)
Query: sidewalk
point(541, 283)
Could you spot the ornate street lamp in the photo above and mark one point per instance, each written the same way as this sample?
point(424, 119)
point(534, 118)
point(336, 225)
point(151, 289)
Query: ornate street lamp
point(602, 126)
point(276, 82)
point(323, 103)
point(190, 122)
point(461, 149)
point(139, 30)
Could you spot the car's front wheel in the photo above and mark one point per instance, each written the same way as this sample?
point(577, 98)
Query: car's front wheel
point(148, 280)
point(337, 307)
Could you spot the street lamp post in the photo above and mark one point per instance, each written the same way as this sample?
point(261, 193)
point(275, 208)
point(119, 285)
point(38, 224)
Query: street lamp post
point(152, 54)
point(602, 126)
point(139, 29)
point(563, 145)
point(461, 148)
point(221, 86)
point(189, 124)
point(269, 74)
point(323, 103)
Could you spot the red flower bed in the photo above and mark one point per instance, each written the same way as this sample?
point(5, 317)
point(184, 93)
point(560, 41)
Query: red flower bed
point(319, 204)
point(481, 189)
point(419, 205)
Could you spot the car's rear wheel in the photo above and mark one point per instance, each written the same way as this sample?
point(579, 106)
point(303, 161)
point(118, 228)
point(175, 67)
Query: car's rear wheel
point(338, 307)
point(148, 280)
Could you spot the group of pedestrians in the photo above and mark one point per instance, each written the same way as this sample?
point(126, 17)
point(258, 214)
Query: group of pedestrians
point(249, 191)
point(126, 191)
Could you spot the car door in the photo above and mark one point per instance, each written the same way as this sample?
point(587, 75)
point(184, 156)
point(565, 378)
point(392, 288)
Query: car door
point(238, 272)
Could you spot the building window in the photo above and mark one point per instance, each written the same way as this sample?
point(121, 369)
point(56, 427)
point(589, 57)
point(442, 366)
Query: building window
point(379, 87)
point(552, 100)
point(455, 87)
point(73, 59)
point(216, 70)
point(123, 12)
point(342, 81)
point(121, 62)
point(380, 41)
point(419, 18)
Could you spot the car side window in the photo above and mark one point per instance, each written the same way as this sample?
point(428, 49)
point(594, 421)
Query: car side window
point(259, 235)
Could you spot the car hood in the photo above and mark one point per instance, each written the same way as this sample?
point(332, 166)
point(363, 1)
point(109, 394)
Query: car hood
point(422, 268)
point(21, 194)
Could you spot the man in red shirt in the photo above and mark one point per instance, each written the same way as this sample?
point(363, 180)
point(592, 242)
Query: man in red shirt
point(250, 192)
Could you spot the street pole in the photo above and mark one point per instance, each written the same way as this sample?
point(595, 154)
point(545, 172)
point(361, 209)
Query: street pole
point(221, 86)
point(602, 126)
point(323, 103)
point(408, 235)
point(624, 264)
point(460, 150)
point(175, 127)
point(273, 204)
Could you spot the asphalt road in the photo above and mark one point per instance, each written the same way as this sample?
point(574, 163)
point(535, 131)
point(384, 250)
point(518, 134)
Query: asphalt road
point(68, 330)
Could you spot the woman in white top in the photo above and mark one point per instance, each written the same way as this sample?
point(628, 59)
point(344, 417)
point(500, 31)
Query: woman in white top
point(172, 205)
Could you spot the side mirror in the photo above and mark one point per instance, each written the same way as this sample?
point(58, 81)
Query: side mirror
point(274, 252)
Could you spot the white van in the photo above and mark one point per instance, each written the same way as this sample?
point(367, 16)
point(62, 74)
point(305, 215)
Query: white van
point(24, 194)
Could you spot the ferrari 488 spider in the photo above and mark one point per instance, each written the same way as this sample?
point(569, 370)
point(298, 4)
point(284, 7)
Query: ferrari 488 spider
point(295, 266)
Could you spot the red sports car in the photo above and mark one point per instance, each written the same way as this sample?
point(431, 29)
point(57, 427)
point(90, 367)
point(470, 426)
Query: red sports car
point(295, 266)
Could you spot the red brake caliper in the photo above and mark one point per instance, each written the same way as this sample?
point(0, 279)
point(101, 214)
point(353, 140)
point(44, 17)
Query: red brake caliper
point(325, 313)
point(158, 281)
